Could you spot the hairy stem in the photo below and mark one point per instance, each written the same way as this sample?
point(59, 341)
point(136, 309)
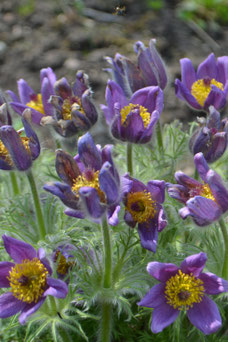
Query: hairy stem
point(106, 322)
point(159, 137)
point(129, 159)
point(225, 238)
point(14, 183)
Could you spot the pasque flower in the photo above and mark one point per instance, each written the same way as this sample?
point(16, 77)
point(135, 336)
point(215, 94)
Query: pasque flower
point(184, 288)
point(208, 86)
point(37, 102)
point(211, 137)
point(16, 150)
point(143, 207)
point(29, 279)
point(204, 202)
point(149, 70)
point(74, 109)
point(91, 182)
point(132, 121)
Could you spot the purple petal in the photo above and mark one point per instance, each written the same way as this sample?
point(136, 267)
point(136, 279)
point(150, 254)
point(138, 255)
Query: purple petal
point(91, 201)
point(89, 107)
point(178, 192)
point(25, 91)
point(49, 73)
point(114, 94)
point(35, 116)
point(213, 284)
point(218, 189)
point(75, 213)
point(162, 271)
point(185, 180)
point(216, 98)
point(184, 94)
point(113, 218)
point(222, 68)
point(201, 165)
point(5, 267)
point(205, 316)
point(29, 309)
point(9, 305)
point(129, 219)
point(18, 250)
point(34, 144)
point(207, 68)
point(4, 165)
point(194, 264)
point(188, 75)
point(148, 234)
point(157, 190)
point(66, 167)
point(146, 136)
point(88, 152)
point(64, 192)
point(154, 297)
point(133, 128)
point(80, 85)
point(213, 118)
point(162, 221)
point(13, 96)
point(158, 62)
point(218, 147)
point(57, 288)
point(162, 316)
point(108, 184)
point(47, 91)
point(62, 88)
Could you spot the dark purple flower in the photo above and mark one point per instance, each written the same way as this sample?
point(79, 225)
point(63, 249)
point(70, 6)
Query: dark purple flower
point(91, 182)
point(29, 279)
point(184, 288)
point(211, 137)
point(208, 86)
point(143, 206)
point(74, 109)
point(149, 71)
point(64, 257)
point(132, 121)
point(205, 202)
point(16, 150)
point(28, 98)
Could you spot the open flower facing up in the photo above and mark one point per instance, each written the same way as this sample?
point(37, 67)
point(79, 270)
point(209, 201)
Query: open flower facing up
point(205, 202)
point(208, 86)
point(143, 206)
point(91, 182)
point(149, 71)
point(74, 109)
point(16, 150)
point(211, 137)
point(132, 121)
point(38, 103)
point(184, 288)
point(29, 279)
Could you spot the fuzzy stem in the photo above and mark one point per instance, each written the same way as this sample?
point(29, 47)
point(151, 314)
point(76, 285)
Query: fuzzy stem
point(106, 322)
point(14, 183)
point(39, 214)
point(225, 238)
point(129, 159)
point(159, 137)
point(196, 174)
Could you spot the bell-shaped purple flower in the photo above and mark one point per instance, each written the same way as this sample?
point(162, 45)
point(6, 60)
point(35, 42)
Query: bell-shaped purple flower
point(206, 87)
point(211, 137)
point(143, 206)
point(38, 103)
point(132, 121)
point(16, 150)
point(185, 287)
point(28, 278)
point(149, 71)
point(91, 182)
point(74, 109)
point(204, 202)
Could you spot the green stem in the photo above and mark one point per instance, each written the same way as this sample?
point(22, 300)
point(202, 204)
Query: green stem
point(129, 159)
point(39, 214)
point(107, 280)
point(14, 183)
point(196, 174)
point(106, 322)
point(225, 237)
point(159, 137)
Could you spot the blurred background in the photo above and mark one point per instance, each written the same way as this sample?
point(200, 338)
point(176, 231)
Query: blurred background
point(73, 35)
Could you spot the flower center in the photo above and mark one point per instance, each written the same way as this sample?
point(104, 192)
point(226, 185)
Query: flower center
point(36, 103)
point(69, 105)
point(183, 290)
point(5, 154)
point(91, 179)
point(141, 206)
point(134, 108)
point(63, 264)
point(28, 280)
point(203, 191)
point(201, 89)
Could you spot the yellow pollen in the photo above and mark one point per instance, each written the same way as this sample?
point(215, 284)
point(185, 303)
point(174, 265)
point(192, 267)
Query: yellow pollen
point(68, 107)
point(206, 192)
point(28, 280)
point(63, 264)
point(141, 206)
point(145, 115)
point(5, 154)
point(37, 104)
point(201, 89)
point(183, 290)
point(92, 181)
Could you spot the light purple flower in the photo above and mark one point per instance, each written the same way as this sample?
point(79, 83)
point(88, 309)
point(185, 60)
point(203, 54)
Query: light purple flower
point(143, 206)
point(29, 279)
point(204, 202)
point(184, 287)
point(208, 86)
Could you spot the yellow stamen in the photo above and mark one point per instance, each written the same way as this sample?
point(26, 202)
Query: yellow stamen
point(28, 280)
point(141, 206)
point(145, 115)
point(63, 264)
point(206, 192)
point(69, 106)
point(201, 89)
point(37, 104)
point(183, 290)
point(5, 154)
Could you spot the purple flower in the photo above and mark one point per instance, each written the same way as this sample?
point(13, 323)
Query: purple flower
point(133, 120)
point(38, 103)
point(64, 257)
point(211, 137)
point(91, 182)
point(29, 279)
point(184, 287)
point(205, 202)
point(74, 109)
point(143, 206)
point(17, 151)
point(149, 71)
point(208, 86)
